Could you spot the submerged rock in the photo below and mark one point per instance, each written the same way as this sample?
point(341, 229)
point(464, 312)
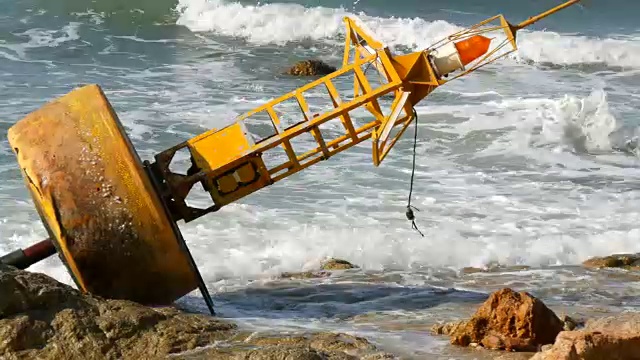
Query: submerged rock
point(44, 319)
point(612, 338)
point(305, 275)
point(515, 356)
point(448, 328)
point(508, 320)
point(627, 261)
point(319, 346)
point(494, 268)
point(310, 68)
point(326, 269)
point(337, 264)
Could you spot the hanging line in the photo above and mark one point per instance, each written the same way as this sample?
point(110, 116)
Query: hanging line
point(410, 216)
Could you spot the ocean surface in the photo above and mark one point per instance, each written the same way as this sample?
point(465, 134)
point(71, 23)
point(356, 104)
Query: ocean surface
point(531, 161)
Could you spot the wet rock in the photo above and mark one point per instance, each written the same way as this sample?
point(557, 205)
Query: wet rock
point(327, 342)
point(509, 320)
point(612, 338)
point(305, 275)
point(627, 261)
point(546, 347)
point(44, 319)
point(337, 264)
point(325, 270)
point(494, 268)
point(307, 346)
point(310, 68)
point(571, 323)
point(380, 356)
point(515, 356)
point(448, 328)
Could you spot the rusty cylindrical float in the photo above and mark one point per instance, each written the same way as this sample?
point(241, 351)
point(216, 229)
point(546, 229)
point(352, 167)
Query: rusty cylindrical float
point(98, 203)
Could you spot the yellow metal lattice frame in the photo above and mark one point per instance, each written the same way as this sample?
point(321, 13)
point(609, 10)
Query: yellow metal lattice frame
point(229, 163)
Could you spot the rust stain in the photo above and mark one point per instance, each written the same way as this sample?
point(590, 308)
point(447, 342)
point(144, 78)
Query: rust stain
point(95, 199)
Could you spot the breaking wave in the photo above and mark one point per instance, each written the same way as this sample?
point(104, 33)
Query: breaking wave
point(279, 23)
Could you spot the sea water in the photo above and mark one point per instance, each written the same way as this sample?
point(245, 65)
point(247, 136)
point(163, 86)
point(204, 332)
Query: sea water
point(530, 161)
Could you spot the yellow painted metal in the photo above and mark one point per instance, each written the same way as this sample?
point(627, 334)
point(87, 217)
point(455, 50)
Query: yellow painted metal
point(543, 15)
point(97, 203)
point(409, 78)
point(101, 209)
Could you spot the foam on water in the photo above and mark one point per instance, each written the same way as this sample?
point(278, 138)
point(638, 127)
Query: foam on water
point(515, 167)
point(567, 124)
point(471, 218)
point(279, 23)
point(39, 38)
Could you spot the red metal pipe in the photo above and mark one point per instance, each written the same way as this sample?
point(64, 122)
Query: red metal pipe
point(23, 258)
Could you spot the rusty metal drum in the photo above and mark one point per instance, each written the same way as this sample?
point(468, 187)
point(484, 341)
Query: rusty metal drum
point(97, 202)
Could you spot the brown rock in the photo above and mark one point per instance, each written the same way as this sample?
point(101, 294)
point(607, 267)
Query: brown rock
point(307, 346)
point(571, 323)
point(611, 338)
point(310, 68)
point(341, 342)
point(613, 261)
point(515, 356)
point(325, 270)
point(305, 275)
point(494, 268)
point(448, 328)
point(337, 264)
point(44, 319)
point(511, 321)
point(380, 356)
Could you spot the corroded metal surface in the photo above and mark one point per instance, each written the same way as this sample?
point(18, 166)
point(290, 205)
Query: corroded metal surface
point(97, 202)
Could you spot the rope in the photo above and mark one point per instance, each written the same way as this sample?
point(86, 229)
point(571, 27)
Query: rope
point(409, 213)
point(410, 216)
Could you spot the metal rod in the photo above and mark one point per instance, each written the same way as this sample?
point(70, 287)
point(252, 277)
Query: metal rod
point(23, 258)
point(543, 15)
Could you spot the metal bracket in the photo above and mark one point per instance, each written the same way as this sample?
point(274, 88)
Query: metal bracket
point(183, 245)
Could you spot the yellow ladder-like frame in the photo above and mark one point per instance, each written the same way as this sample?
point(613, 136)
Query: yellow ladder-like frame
point(229, 163)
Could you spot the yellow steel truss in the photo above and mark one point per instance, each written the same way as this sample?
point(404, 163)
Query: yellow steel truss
point(228, 162)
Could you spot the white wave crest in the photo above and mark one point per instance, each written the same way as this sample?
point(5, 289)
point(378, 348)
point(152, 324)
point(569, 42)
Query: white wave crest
point(554, 48)
point(280, 23)
point(584, 124)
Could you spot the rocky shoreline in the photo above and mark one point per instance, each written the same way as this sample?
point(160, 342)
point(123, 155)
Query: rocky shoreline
point(42, 318)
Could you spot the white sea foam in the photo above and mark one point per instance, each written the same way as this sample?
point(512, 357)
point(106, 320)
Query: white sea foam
point(279, 23)
point(38, 38)
point(469, 218)
point(347, 208)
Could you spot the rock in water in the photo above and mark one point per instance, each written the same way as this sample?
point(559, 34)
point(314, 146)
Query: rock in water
point(325, 270)
point(509, 320)
point(614, 261)
point(337, 264)
point(41, 318)
point(310, 68)
point(44, 319)
point(612, 338)
point(571, 323)
point(319, 346)
point(448, 328)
